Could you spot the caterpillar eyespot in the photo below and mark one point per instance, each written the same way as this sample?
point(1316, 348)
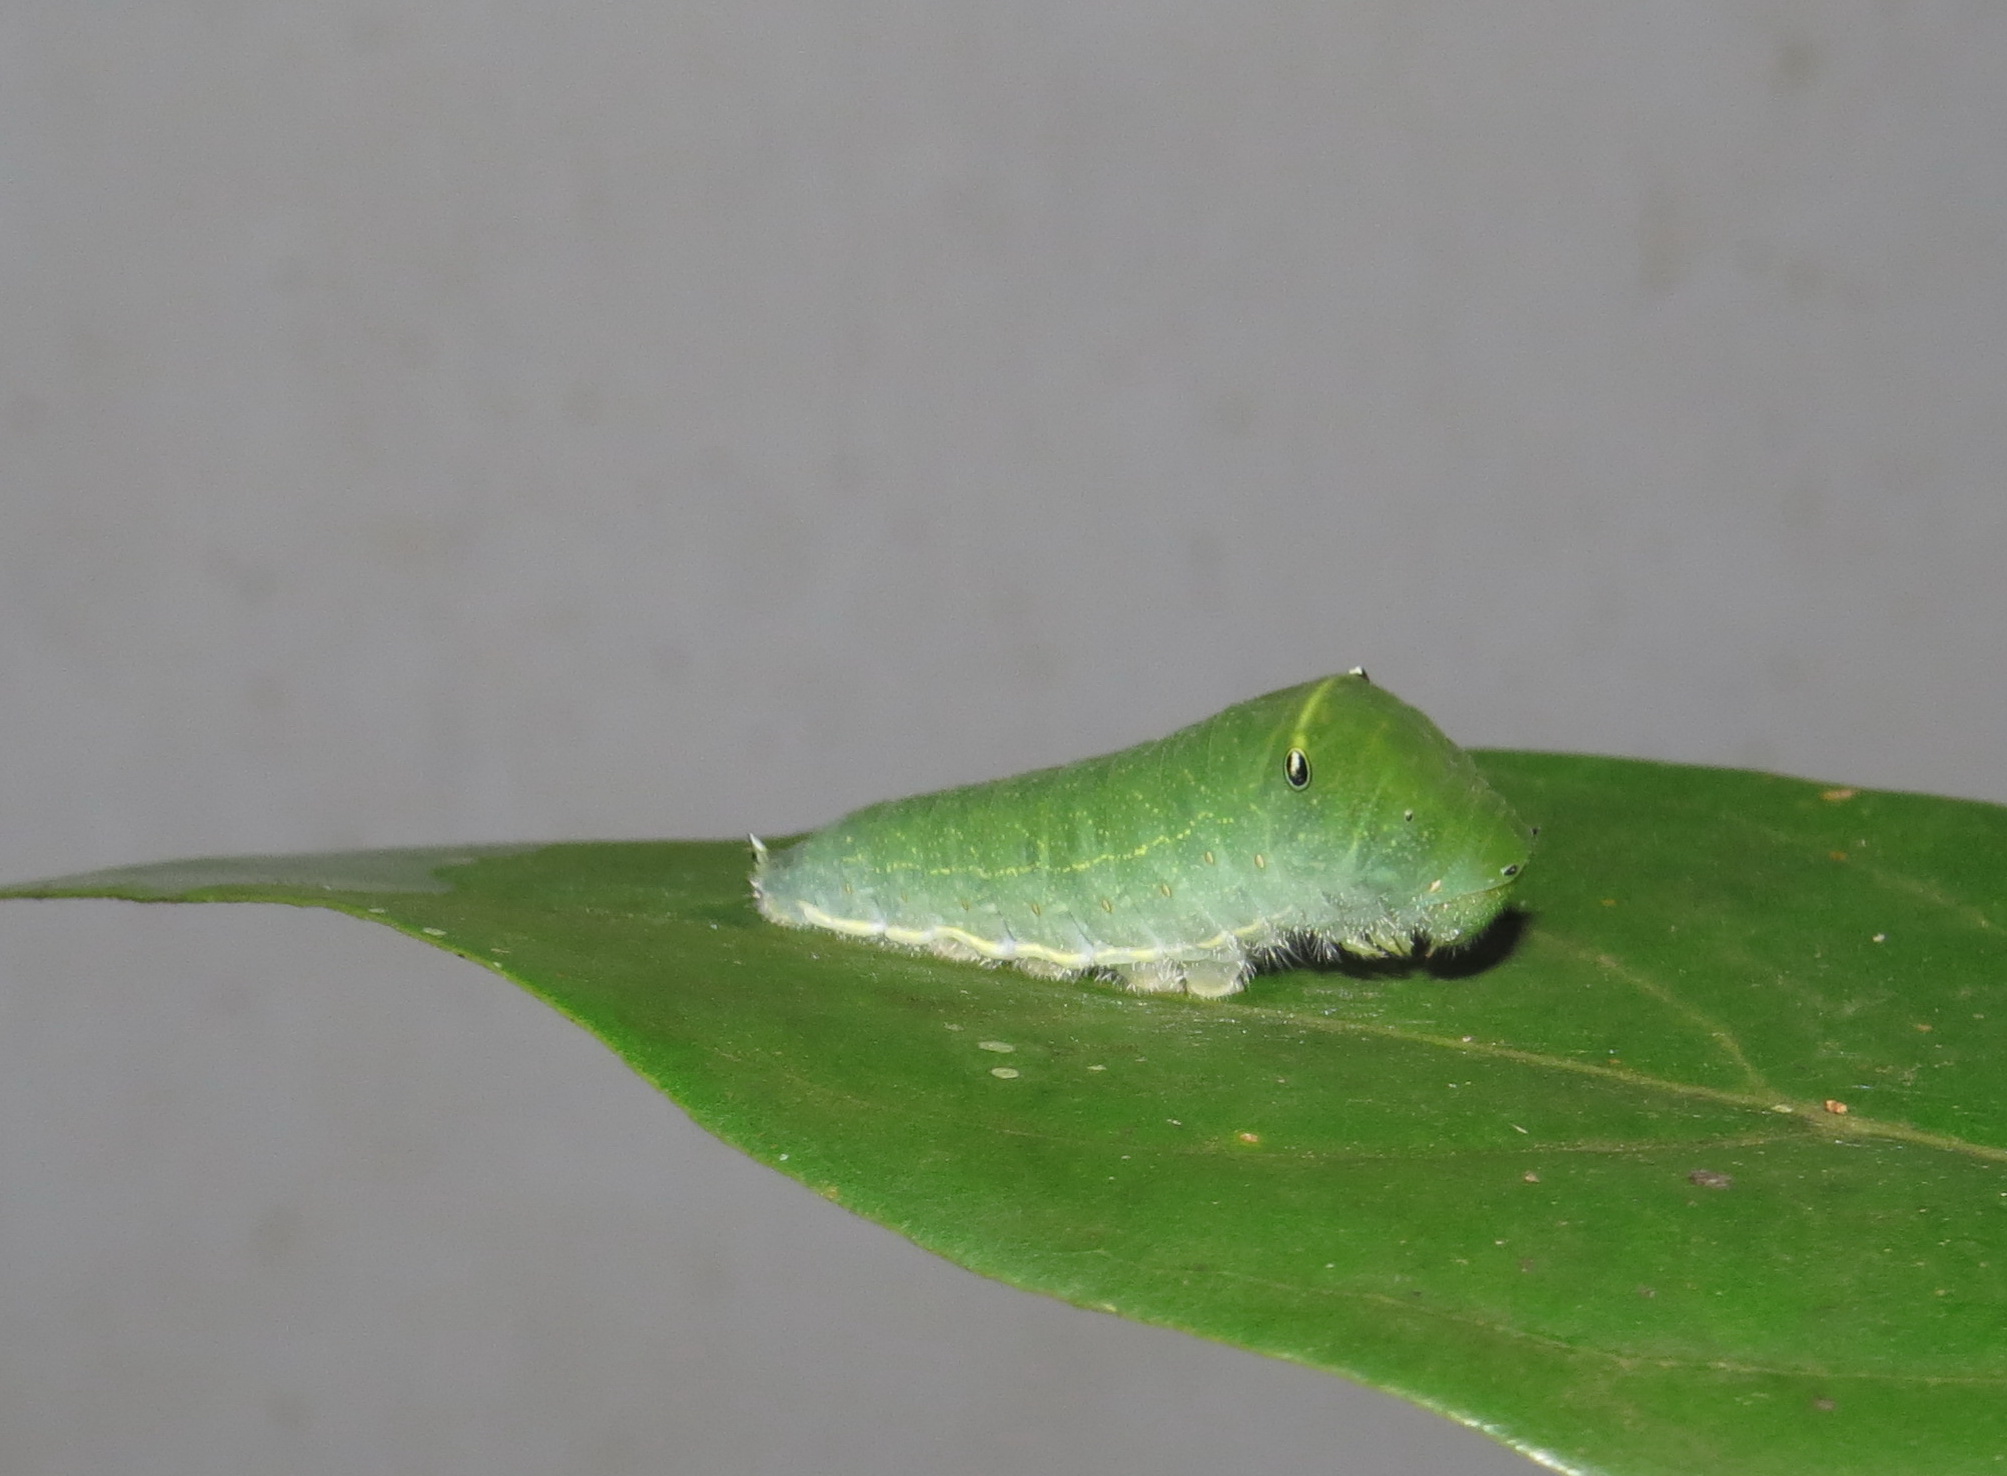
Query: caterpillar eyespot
point(1179, 864)
point(1296, 769)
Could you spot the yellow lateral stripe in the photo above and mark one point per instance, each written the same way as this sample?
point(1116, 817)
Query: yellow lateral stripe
point(855, 927)
point(986, 874)
point(858, 927)
point(1300, 734)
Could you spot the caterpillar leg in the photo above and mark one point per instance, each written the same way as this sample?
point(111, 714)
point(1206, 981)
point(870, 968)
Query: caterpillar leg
point(1204, 978)
point(948, 947)
point(1159, 976)
point(1215, 978)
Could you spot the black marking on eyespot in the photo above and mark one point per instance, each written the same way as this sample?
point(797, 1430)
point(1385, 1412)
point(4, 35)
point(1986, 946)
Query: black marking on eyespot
point(1296, 769)
point(1360, 673)
point(1536, 830)
point(1407, 815)
point(1512, 870)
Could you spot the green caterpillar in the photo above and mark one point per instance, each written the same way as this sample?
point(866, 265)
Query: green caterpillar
point(1321, 817)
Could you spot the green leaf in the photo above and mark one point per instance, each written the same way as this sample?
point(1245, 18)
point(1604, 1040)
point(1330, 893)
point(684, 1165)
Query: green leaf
point(1595, 1194)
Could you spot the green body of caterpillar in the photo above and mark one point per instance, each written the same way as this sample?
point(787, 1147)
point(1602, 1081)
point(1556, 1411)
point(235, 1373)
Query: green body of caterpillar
point(1330, 815)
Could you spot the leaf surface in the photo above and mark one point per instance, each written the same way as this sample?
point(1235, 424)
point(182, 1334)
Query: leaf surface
point(1701, 1167)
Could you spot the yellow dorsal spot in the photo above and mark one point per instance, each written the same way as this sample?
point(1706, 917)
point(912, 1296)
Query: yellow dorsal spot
point(1209, 858)
point(1260, 862)
point(1164, 887)
point(1106, 905)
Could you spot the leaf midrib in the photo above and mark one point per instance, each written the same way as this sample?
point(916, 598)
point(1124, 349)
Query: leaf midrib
point(1853, 1125)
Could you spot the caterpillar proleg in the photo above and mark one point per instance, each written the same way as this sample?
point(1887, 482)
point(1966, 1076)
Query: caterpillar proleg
point(1329, 816)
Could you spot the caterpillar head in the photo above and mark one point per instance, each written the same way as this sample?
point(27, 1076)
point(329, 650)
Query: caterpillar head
point(1394, 820)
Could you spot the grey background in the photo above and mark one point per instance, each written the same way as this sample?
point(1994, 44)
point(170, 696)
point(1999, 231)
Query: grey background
point(464, 422)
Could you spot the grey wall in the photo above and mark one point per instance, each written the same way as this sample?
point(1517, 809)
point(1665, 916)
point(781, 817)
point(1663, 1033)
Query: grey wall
point(463, 421)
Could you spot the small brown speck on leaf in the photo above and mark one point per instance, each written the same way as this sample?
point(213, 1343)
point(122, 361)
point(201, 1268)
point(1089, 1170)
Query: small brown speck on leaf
point(1837, 796)
point(1824, 1406)
point(1249, 1137)
point(1709, 1179)
point(1837, 855)
point(1647, 1292)
point(1837, 1108)
point(1530, 1177)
